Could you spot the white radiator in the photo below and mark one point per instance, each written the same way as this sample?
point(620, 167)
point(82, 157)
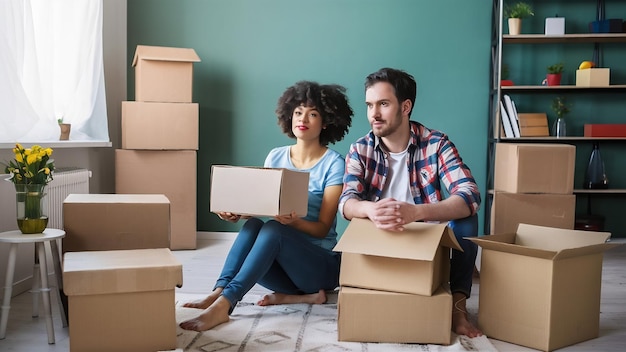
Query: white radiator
point(65, 182)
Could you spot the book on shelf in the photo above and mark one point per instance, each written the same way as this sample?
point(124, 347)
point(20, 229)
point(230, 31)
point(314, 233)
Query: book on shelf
point(512, 113)
point(506, 122)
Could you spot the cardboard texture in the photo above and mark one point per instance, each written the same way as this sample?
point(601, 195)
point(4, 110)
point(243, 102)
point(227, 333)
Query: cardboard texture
point(593, 77)
point(283, 191)
point(534, 168)
point(96, 222)
point(159, 126)
point(380, 316)
point(533, 124)
point(122, 300)
point(552, 210)
point(605, 130)
point(175, 177)
point(416, 260)
point(540, 286)
point(164, 74)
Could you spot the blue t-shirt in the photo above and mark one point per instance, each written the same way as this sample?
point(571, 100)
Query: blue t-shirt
point(328, 171)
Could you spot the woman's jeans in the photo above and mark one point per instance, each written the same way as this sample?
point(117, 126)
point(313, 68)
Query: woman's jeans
point(462, 263)
point(279, 258)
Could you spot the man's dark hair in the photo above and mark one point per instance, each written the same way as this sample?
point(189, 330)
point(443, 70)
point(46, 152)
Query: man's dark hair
point(403, 83)
point(330, 101)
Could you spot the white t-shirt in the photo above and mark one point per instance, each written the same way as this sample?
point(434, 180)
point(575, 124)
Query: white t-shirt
point(398, 187)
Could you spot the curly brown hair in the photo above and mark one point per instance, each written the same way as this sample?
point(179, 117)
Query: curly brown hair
point(329, 99)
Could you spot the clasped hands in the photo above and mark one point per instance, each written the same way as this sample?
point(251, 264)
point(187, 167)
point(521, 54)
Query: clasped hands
point(390, 214)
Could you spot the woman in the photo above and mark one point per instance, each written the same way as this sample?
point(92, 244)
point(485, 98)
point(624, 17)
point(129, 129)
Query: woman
point(289, 255)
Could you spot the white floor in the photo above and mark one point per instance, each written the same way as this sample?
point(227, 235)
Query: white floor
point(201, 267)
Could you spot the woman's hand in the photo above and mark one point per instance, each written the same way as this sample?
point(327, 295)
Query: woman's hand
point(230, 217)
point(286, 219)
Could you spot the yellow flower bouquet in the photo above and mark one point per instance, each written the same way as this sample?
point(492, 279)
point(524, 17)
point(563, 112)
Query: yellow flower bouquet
point(31, 171)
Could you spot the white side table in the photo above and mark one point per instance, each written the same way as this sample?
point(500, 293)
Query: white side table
point(48, 237)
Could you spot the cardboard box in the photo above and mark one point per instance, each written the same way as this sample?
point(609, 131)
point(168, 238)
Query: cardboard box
point(540, 286)
point(164, 74)
point(552, 210)
point(167, 172)
point(283, 191)
point(97, 222)
point(416, 260)
point(605, 130)
point(593, 77)
point(533, 124)
point(380, 316)
point(534, 168)
point(122, 300)
point(159, 126)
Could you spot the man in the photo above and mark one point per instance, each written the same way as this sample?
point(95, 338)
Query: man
point(398, 173)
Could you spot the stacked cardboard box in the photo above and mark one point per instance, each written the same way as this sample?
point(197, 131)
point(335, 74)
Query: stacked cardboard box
point(394, 284)
point(160, 136)
point(533, 184)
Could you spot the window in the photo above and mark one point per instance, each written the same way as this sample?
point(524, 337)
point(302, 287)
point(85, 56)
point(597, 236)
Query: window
point(51, 67)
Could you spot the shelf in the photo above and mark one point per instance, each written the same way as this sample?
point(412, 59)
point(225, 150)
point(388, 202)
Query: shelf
point(561, 139)
point(600, 191)
point(561, 88)
point(566, 38)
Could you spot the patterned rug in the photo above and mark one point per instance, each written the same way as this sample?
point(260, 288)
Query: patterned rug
point(294, 327)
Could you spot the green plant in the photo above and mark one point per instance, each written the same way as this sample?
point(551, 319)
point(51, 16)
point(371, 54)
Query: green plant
point(504, 73)
point(560, 107)
point(518, 10)
point(60, 120)
point(556, 68)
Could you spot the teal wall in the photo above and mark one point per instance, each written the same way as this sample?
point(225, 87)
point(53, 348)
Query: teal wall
point(252, 50)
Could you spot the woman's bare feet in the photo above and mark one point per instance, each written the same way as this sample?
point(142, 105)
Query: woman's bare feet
point(461, 324)
point(214, 315)
point(281, 298)
point(206, 302)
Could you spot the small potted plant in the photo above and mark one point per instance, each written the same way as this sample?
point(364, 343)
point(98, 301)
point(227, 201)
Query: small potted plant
point(560, 108)
point(553, 78)
point(515, 13)
point(504, 76)
point(65, 129)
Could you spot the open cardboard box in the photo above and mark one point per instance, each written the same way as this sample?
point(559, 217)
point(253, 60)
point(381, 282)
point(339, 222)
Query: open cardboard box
point(540, 286)
point(273, 191)
point(416, 260)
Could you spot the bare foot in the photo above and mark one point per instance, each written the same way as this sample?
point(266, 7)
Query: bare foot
point(211, 317)
point(206, 302)
point(461, 324)
point(281, 298)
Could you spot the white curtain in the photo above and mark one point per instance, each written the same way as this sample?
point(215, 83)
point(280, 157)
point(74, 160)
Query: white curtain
point(51, 67)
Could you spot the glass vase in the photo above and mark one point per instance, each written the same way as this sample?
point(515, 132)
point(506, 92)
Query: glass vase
point(595, 177)
point(560, 127)
point(31, 208)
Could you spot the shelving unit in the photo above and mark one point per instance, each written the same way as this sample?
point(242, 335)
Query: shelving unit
point(535, 42)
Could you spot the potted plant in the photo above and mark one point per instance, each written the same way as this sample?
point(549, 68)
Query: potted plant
point(504, 76)
point(561, 109)
point(65, 129)
point(553, 78)
point(515, 13)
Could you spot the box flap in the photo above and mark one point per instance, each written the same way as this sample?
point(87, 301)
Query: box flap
point(162, 53)
point(547, 242)
point(418, 241)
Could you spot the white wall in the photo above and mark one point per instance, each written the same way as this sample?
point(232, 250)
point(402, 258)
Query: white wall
point(99, 160)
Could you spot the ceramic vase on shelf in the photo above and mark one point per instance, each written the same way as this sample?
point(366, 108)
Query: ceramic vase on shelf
point(31, 208)
point(595, 177)
point(515, 26)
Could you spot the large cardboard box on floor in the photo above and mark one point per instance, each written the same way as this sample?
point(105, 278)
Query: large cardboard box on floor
point(540, 286)
point(258, 191)
point(381, 316)
point(168, 172)
point(416, 260)
point(552, 210)
point(122, 300)
point(159, 126)
point(534, 168)
point(164, 74)
point(97, 222)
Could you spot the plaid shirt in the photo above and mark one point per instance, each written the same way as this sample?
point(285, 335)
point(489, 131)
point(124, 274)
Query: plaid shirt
point(434, 165)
